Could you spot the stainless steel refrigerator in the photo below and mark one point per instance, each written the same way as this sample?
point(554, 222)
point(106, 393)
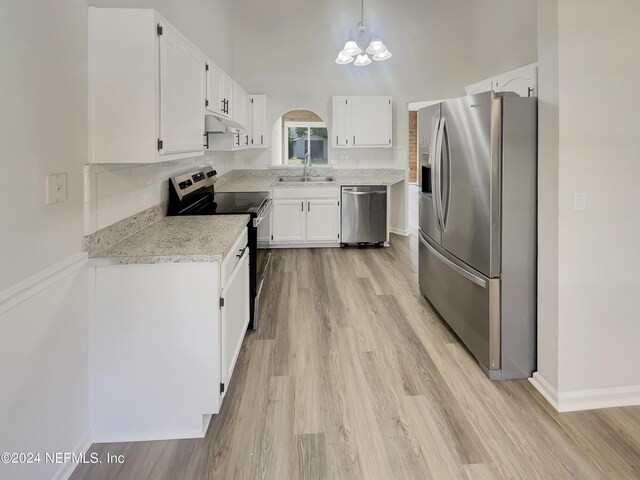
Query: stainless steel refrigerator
point(477, 236)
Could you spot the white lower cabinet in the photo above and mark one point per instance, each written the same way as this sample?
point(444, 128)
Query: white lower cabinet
point(163, 345)
point(322, 220)
point(304, 217)
point(289, 220)
point(234, 312)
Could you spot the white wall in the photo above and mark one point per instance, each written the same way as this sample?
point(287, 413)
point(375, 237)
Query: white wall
point(207, 23)
point(115, 192)
point(44, 286)
point(548, 191)
point(287, 48)
point(504, 36)
point(43, 130)
point(44, 371)
point(43, 340)
point(592, 320)
point(598, 249)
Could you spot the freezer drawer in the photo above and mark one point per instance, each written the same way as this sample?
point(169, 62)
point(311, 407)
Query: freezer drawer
point(467, 300)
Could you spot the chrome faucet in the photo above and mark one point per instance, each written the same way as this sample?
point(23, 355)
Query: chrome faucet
point(307, 163)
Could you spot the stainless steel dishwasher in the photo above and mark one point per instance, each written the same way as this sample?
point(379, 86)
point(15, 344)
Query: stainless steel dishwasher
point(364, 214)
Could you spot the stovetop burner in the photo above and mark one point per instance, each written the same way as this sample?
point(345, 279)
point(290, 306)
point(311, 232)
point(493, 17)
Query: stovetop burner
point(239, 202)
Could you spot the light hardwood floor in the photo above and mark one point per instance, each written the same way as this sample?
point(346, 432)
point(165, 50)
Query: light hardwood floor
point(352, 375)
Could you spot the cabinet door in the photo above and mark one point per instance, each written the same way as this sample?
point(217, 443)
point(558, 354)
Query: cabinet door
point(341, 135)
point(215, 94)
point(260, 132)
point(323, 220)
point(238, 142)
point(264, 230)
point(288, 224)
point(371, 121)
point(234, 316)
point(479, 87)
point(182, 94)
point(240, 105)
point(523, 81)
point(227, 93)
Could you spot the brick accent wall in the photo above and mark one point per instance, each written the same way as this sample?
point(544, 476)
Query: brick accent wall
point(413, 146)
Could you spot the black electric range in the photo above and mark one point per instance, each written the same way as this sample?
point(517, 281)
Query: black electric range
point(193, 193)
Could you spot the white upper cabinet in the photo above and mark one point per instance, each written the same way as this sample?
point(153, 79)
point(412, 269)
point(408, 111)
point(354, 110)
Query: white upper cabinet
point(371, 121)
point(216, 103)
point(259, 129)
point(523, 81)
point(241, 106)
point(479, 87)
point(361, 121)
point(182, 81)
point(146, 89)
point(220, 91)
point(341, 122)
point(228, 87)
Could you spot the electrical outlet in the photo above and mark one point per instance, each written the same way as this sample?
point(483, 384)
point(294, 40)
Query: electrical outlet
point(579, 201)
point(56, 188)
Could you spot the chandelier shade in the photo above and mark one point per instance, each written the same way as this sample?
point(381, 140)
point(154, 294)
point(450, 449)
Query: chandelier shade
point(365, 48)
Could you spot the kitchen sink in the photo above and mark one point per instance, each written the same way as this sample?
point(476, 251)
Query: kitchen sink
point(316, 179)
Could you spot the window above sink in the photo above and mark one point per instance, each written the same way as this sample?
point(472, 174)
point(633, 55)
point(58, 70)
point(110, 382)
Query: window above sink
point(304, 137)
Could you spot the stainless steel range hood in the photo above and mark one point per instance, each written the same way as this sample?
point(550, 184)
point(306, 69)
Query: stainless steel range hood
point(213, 124)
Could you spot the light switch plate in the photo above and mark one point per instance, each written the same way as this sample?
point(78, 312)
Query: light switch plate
point(579, 201)
point(56, 188)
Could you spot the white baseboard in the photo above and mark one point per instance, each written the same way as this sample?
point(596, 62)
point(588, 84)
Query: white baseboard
point(66, 470)
point(146, 436)
point(303, 245)
point(399, 231)
point(545, 389)
point(20, 292)
point(589, 399)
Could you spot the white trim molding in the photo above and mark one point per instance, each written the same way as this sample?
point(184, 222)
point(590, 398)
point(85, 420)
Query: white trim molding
point(589, 399)
point(398, 231)
point(66, 469)
point(545, 389)
point(20, 292)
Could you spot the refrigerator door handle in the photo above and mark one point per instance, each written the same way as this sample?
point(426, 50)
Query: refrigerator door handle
point(459, 270)
point(447, 169)
point(437, 184)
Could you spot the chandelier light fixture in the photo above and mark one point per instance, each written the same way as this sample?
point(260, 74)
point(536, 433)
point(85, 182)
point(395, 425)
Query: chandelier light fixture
point(363, 46)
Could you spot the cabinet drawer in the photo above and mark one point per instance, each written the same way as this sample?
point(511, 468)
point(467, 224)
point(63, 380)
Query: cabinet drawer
point(304, 193)
point(234, 256)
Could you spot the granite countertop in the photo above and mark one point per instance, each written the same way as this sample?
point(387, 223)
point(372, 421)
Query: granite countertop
point(177, 240)
point(267, 183)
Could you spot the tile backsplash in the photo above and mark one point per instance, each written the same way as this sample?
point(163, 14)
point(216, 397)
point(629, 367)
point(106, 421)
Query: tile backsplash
point(395, 157)
point(115, 192)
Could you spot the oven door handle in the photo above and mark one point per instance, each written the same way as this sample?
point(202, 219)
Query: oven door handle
point(263, 213)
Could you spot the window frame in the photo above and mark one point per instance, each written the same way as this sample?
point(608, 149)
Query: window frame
point(285, 139)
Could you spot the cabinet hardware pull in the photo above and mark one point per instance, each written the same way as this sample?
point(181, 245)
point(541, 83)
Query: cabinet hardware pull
point(261, 142)
point(308, 206)
point(302, 206)
point(241, 252)
point(354, 139)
